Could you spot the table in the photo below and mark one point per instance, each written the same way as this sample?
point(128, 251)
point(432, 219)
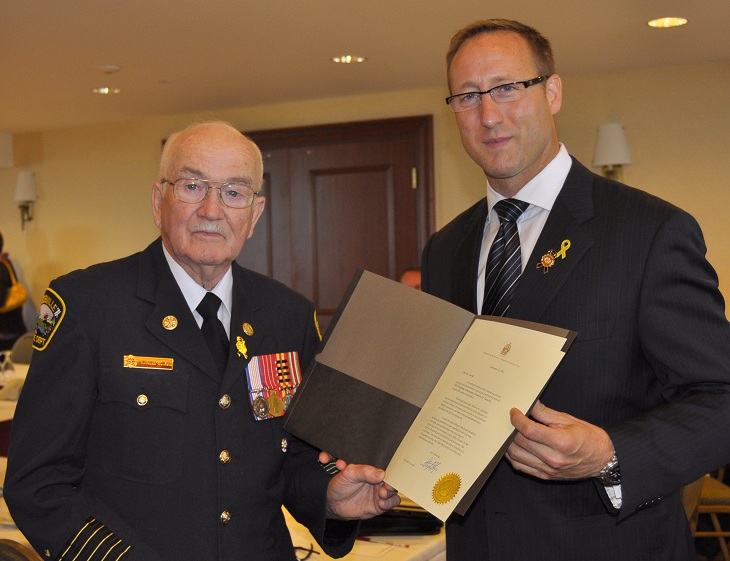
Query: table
point(11, 382)
point(8, 529)
point(383, 548)
point(393, 548)
point(13, 379)
point(7, 410)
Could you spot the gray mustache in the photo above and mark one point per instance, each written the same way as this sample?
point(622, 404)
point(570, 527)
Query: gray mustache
point(208, 227)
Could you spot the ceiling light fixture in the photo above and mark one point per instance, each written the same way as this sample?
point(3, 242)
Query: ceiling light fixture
point(348, 59)
point(105, 91)
point(665, 23)
point(109, 68)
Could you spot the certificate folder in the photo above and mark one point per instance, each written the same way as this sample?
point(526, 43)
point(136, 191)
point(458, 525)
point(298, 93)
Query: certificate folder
point(391, 352)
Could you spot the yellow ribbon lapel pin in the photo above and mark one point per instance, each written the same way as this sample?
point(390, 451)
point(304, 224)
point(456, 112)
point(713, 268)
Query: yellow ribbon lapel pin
point(241, 347)
point(548, 260)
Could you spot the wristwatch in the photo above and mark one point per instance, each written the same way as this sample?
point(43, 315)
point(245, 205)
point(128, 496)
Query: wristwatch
point(610, 474)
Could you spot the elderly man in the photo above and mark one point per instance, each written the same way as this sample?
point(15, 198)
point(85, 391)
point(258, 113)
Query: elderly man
point(640, 405)
point(150, 425)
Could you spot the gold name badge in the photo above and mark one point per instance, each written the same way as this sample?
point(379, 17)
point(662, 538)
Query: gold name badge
point(153, 362)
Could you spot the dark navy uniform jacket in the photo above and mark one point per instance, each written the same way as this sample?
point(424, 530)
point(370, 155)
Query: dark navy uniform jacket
point(155, 463)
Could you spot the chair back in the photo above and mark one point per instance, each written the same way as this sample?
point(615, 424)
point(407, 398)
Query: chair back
point(10, 550)
point(22, 350)
point(691, 497)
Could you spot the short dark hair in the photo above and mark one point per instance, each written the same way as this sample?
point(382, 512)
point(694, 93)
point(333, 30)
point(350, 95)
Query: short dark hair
point(1, 242)
point(540, 46)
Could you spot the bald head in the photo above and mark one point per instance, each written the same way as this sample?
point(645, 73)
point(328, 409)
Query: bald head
point(210, 134)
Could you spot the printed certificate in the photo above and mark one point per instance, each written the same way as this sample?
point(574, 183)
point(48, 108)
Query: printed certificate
point(464, 423)
point(422, 388)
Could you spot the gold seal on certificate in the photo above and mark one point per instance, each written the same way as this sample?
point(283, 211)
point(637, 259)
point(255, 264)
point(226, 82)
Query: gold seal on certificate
point(276, 405)
point(446, 488)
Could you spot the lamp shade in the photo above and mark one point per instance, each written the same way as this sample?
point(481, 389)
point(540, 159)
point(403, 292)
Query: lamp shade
point(25, 190)
point(611, 146)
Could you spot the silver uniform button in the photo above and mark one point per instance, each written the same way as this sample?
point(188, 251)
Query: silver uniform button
point(224, 457)
point(142, 400)
point(225, 401)
point(225, 517)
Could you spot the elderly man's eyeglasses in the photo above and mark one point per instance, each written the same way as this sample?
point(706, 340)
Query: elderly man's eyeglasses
point(190, 190)
point(503, 93)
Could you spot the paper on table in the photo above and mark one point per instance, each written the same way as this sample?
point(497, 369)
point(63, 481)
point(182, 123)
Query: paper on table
point(465, 421)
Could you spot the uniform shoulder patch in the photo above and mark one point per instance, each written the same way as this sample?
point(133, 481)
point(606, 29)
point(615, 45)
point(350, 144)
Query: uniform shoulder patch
point(50, 315)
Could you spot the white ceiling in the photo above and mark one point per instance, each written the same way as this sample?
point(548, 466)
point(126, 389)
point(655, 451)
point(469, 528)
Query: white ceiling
point(180, 56)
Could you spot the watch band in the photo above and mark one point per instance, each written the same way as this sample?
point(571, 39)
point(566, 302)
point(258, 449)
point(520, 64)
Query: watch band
point(610, 474)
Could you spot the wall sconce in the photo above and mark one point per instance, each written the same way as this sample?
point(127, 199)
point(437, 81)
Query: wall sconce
point(612, 150)
point(26, 195)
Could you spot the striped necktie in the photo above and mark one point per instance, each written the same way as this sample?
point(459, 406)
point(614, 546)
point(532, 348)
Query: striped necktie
point(504, 264)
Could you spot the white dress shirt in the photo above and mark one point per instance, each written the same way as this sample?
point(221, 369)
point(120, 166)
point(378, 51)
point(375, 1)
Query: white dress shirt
point(194, 293)
point(541, 192)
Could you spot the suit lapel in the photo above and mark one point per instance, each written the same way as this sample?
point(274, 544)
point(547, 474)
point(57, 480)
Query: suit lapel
point(466, 260)
point(247, 327)
point(182, 334)
point(572, 208)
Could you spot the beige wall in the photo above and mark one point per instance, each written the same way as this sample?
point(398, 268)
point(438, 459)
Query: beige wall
point(94, 182)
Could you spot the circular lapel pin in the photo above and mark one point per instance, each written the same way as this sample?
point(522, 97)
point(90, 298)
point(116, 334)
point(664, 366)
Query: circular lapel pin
point(247, 329)
point(169, 322)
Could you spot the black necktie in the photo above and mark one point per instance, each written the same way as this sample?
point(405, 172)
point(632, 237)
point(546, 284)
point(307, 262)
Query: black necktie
point(213, 330)
point(504, 264)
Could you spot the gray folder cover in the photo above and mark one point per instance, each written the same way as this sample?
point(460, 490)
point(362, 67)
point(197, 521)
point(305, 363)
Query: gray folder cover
point(382, 355)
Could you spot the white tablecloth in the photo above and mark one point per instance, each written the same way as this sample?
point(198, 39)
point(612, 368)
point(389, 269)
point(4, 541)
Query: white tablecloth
point(383, 548)
point(8, 530)
point(11, 382)
point(394, 548)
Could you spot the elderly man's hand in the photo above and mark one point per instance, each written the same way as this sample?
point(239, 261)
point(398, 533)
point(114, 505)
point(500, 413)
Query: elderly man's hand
point(358, 492)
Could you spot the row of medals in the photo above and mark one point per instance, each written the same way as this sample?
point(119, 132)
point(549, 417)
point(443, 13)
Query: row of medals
point(274, 405)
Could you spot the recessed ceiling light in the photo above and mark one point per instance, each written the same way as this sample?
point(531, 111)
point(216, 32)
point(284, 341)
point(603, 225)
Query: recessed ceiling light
point(347, 59)
point(667, 22)
point(109, 68)
point(106, 91)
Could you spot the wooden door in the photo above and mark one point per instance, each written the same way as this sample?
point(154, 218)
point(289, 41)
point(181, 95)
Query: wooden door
point(339, 198)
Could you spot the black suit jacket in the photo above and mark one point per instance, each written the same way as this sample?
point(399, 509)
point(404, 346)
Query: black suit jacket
point(89, 453)
point(651, 365)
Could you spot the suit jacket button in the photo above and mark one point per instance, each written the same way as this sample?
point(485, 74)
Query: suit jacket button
point(225, 517)
point(225, 401)
point(224, 457)
point(142, 400)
